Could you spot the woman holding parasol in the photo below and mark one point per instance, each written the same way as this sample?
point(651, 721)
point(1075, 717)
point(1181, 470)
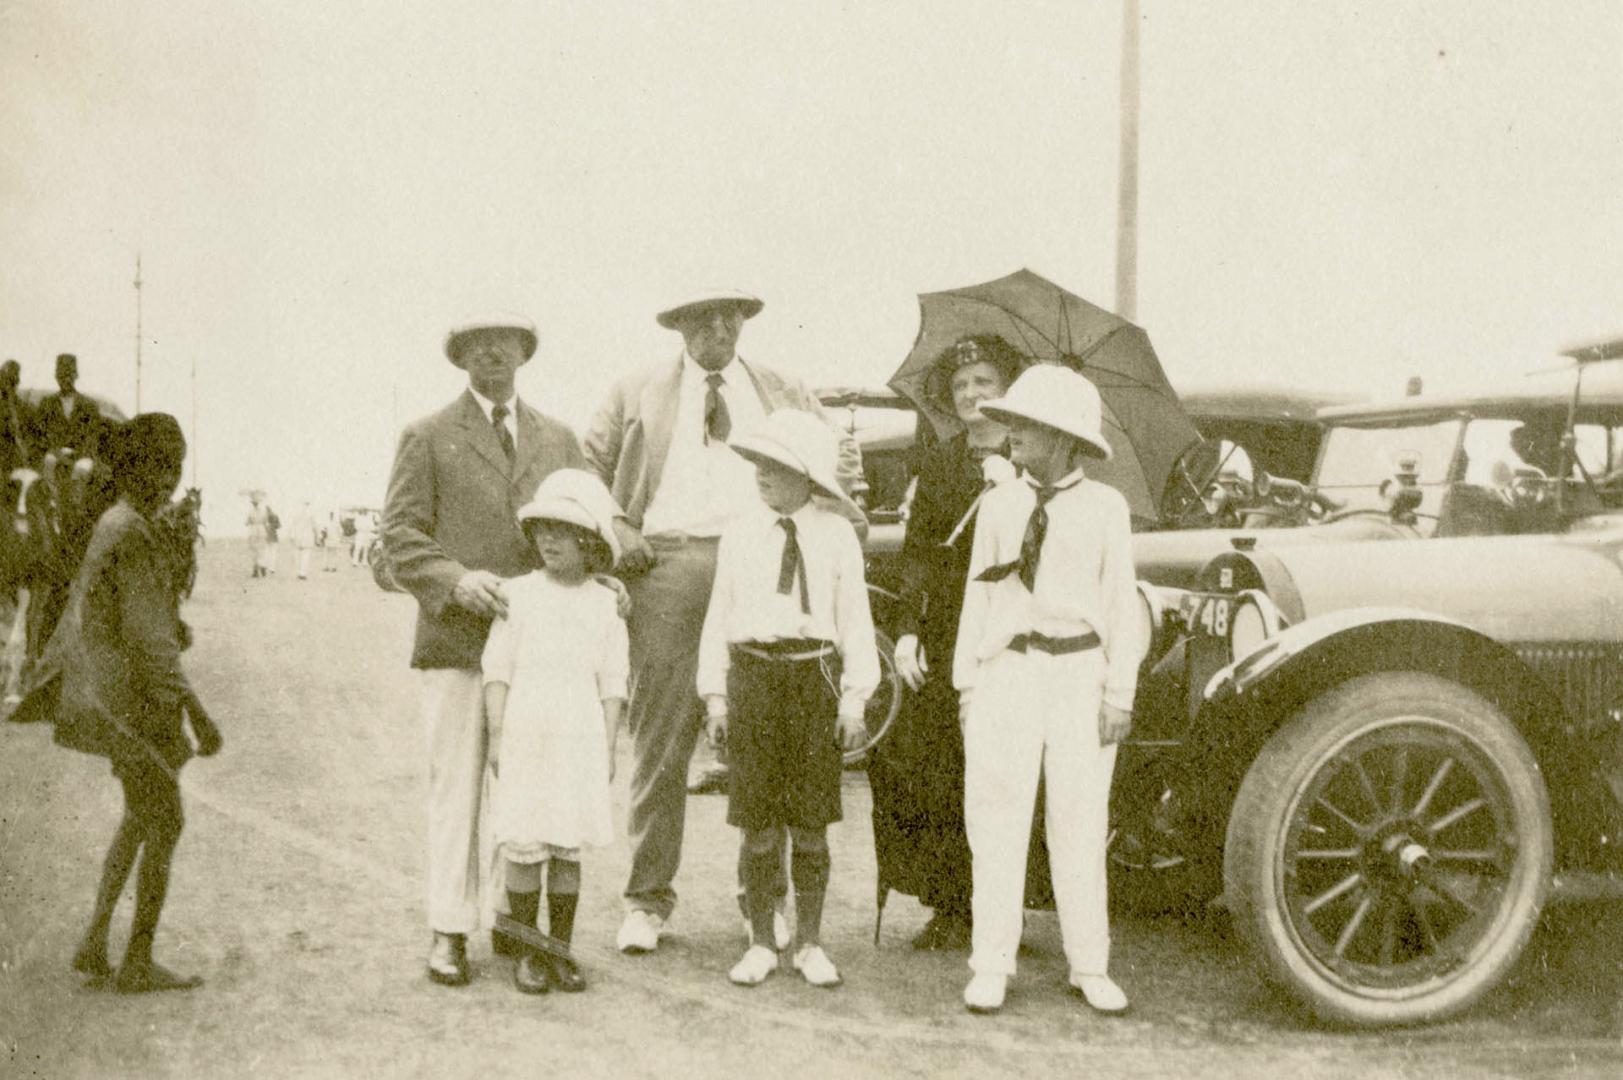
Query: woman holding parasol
point(917, 773)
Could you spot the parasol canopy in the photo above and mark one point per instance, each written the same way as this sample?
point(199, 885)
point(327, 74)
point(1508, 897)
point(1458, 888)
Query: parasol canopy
point(1144, 423)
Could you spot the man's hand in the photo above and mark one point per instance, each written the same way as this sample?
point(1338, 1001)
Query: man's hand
point(911, 663)
point(852, 730)
point(482, 593)
point(1114, 724)
point(204, 729)
point(635, 554)
point(622, 595)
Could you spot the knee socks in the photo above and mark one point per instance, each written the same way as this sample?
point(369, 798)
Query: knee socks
point(563, 894)
point(809, 865)
point(760, 863)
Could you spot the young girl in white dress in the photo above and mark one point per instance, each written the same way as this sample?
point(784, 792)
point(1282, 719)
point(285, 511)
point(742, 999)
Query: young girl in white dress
point(555, 674)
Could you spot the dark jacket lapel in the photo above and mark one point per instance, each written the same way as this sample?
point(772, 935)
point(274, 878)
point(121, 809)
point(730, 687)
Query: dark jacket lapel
point(481, 435)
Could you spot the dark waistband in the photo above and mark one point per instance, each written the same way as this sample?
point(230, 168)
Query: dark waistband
point(1054, 646)
point(786, 649)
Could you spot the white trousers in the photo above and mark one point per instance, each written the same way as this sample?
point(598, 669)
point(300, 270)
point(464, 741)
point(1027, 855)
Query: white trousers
point(1031, 712)
point(454, 725)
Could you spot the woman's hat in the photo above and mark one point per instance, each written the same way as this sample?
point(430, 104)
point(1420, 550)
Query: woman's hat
point(576, 497)
point(1055, 397)
point(671, 317)
point(495, 321)
point(800, 441)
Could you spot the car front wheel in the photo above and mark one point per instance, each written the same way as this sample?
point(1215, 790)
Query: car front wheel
point(1389, 851)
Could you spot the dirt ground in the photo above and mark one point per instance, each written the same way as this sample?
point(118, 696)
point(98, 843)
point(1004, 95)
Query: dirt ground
point(297, 894)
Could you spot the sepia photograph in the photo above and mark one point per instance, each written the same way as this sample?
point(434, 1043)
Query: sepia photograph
point(855, 538)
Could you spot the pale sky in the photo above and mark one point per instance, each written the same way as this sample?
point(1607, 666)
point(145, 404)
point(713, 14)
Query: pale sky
point(1333, 194)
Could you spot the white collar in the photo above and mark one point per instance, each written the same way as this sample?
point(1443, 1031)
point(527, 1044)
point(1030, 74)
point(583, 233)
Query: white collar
point(729, 370)
point(486, 405)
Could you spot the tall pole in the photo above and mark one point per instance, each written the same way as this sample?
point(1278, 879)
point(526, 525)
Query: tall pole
point(138, 331)
point(1127, 206)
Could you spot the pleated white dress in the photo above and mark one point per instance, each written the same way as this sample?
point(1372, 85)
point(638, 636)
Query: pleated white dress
point(562, 649)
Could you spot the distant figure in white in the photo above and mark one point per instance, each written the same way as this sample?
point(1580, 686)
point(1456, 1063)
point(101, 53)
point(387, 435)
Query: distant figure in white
point(304, 537)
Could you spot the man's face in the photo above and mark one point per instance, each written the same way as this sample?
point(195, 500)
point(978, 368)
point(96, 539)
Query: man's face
point(491, 357)
point(711, 334)
point(67, 373)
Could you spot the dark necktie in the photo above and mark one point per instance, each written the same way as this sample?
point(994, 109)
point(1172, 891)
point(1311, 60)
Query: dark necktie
point(793, 567)
point(1031, 545)
point(717, 423)
point(498, 417)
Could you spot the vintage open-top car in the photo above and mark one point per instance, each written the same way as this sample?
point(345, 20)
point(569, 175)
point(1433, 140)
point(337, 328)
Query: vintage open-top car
point(1386, 756)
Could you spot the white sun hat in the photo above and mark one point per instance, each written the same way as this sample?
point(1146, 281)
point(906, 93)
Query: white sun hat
point(1055, 397)
point(800, 441)
point(579, 498)
point(500, 320)
point(671, 317)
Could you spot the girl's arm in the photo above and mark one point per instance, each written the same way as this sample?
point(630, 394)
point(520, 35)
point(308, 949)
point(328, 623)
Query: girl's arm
point(495, 712)
point(613, 710)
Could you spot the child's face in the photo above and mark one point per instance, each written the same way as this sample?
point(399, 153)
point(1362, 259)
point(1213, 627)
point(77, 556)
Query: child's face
point(782, 488)
point(1043, 451)
point(560, 549)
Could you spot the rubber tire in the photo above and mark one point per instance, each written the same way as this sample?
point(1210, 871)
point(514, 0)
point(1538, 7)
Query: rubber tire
point(1283, 769)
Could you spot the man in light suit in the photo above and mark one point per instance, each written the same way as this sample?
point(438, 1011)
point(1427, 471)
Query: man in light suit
point(660, 443)
point(451, 534)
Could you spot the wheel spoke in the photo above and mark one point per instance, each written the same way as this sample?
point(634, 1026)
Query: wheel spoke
point(1432, 785)
point(1423, 917)
point(1328, 853)
point(1368, 785)
point(1400, 773)
point(1485, 855)
point(1434, 883)
point(1365, 902)
point(1389, 934)
point(1356, 826)
point(1456, 814)
point(1346, 884)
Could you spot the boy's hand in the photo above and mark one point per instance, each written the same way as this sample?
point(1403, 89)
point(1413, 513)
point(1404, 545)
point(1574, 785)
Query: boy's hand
point(911, 664)
point(852, 730)
point(715, 728)
point(1114, 724)
point(209, 740)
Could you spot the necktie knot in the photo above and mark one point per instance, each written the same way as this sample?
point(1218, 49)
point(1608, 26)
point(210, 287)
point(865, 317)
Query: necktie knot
point(718, 423)
point(498, 419)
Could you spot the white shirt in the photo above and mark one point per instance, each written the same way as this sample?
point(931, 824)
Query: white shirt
point(510, 421)
point(1085, 581)
point(745, 604)
point(704, 484)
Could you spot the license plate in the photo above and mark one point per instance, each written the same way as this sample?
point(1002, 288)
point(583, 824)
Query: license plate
point(1207, 615)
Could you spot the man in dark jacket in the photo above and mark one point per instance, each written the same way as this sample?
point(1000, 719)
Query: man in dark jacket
point(451, 535)
point(69, 418)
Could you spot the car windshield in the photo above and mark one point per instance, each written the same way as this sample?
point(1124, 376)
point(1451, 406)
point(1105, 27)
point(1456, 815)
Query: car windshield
point(1365, 456)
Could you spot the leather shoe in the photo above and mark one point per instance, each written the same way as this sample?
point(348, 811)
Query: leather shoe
point(565, 974)
point(1101, 993)
point(149, 976)
point(448, 960)
point(91, 960)
point(945, 930)
point(533, 975)
point(984, 994)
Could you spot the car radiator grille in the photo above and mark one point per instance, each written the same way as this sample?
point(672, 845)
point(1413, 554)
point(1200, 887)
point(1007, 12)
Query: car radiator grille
point(1587, 677)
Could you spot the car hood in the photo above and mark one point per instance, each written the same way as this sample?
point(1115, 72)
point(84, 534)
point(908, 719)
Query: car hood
point(1175, 557)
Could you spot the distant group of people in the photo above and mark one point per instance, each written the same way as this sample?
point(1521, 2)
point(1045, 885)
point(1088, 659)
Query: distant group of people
point(718, 493)
point(357, 531)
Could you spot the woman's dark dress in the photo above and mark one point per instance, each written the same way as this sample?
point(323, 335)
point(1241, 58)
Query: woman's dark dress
point(917, 772)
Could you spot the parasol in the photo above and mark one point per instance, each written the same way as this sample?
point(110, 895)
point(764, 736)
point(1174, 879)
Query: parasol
point(1146, 426)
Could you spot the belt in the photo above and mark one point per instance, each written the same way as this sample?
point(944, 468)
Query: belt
point(786, 649)
point(1054, 646)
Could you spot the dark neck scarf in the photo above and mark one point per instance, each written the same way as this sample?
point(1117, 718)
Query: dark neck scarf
point(1031, 545)
point(792, 569)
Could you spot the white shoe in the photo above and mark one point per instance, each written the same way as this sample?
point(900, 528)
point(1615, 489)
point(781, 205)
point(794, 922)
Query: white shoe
point(1100, 992)
point(755, 967)
point(813, 963)
point(639, 932)
point(984, 994)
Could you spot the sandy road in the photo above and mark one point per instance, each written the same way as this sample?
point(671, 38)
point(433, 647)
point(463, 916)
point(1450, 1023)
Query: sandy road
point(296, 894)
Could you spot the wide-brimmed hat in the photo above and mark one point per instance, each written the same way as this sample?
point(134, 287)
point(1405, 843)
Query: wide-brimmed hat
point(800, 441)
point(671, 317)
point(576, 497)
point(1055, 397)
point(494, 321)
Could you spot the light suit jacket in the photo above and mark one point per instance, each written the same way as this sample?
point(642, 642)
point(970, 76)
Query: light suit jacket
point(453, 506)
point(631, 434)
